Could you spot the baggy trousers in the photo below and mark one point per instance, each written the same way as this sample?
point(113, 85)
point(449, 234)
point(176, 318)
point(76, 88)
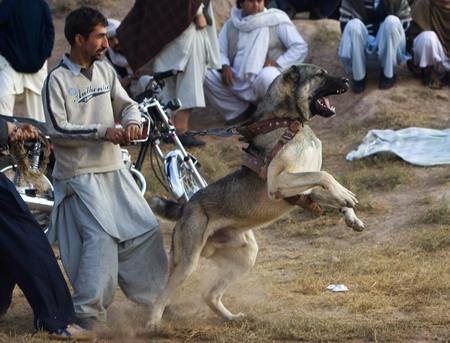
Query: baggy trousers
point(359, 52)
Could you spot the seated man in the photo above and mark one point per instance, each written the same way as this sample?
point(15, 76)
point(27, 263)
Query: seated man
point(430, 38)
point(373, 37)
point(132, 82)
point(256, 44)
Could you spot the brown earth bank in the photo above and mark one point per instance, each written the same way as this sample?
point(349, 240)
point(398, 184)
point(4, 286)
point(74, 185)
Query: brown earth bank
point(397, 270)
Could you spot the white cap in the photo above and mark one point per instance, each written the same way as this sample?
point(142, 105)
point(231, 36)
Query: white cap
point(113, 24)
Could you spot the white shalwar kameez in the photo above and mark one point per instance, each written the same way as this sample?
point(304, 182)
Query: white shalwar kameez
point(192, 53)
point(428, 52)
point(252, 78)
point(13, 83)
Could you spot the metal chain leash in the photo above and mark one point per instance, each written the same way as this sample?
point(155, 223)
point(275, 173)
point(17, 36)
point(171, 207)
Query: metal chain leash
point(220, 131)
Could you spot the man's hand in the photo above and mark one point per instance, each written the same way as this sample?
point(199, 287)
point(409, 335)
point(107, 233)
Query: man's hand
point(200, 21)
point(24, 132)
point(133, 132)
point(227, 75)
point(115, 136)
point(270, 63)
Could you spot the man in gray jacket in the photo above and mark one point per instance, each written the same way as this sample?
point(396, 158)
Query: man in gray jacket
point(107, 233)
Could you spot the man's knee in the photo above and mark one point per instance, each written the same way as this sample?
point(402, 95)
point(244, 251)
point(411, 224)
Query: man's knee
point(426, 39)
point(355, 28)
point(392, 24)
point(265, 79)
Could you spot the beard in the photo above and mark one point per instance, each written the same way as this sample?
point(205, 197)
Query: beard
point(98, 55)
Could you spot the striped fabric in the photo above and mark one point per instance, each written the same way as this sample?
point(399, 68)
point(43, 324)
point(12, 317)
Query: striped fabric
point(351, 9)
point(369, 5)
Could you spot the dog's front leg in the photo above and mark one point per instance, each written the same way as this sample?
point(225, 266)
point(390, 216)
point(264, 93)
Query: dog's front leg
point(287, 184)
point(322, 197)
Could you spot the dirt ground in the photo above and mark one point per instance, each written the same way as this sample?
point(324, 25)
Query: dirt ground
point(396, 212)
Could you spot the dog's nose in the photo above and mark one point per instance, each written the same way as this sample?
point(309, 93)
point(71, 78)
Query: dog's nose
point(345, 80)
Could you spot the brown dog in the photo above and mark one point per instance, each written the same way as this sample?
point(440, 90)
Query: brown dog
point(281, 169)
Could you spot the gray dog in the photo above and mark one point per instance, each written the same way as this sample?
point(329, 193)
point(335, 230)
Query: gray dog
point(281, 169)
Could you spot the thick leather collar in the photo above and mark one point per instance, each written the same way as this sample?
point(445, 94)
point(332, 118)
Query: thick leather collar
point(257, 164)
point(265, 126)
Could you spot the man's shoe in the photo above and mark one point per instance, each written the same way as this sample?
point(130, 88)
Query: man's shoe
point(244, 116)
point(386, 82)
point(430, 78)
point(190, 141)
point(358, 86)
point(168, 140)
point(71, 333)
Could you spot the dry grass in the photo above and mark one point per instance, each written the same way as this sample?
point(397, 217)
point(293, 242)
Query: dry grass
point(437, 213)
point(394, 291)
point(380, 172)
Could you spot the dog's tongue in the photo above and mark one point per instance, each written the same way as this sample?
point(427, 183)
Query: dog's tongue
point(326, 101)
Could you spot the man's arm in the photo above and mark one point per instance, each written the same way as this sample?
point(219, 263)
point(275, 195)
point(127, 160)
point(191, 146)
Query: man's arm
point(227, 73)
point(296, 47)
point(49, 31)
point(129, 115)
point(223, 44)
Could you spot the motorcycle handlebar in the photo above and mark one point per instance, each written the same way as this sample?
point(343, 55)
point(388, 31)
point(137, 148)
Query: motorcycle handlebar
point(164, 74)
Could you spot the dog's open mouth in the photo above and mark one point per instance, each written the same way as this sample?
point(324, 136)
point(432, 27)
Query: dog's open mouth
point(321, 104)
point(323, 107)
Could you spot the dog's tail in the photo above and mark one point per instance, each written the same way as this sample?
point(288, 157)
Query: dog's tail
point(167, 209)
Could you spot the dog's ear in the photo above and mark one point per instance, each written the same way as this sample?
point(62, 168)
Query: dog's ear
point(293, 73)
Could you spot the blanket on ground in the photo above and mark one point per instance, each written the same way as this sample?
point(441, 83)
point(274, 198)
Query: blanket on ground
point(419, 146)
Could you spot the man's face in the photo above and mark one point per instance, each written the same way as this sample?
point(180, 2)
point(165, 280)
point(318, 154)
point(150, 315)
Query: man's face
point(95, 46)
point(250, 7)
point(113, 43)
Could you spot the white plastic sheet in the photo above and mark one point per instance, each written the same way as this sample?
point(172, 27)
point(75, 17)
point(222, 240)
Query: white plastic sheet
point(337, 288)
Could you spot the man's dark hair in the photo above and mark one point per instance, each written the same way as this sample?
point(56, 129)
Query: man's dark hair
point(239, 2)
point(82, 21)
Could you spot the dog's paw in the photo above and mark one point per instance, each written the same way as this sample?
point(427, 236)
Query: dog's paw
point(356, 225)
point(351, 220)
point(153, 325)
point(343, 196)
point(237, 316)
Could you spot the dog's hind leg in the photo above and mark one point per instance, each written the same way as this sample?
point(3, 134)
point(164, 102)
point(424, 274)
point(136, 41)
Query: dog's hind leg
point(233, 259)
point(187, 243)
